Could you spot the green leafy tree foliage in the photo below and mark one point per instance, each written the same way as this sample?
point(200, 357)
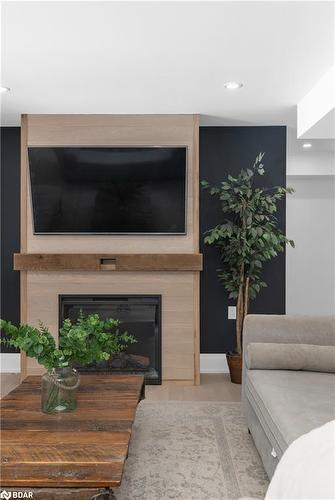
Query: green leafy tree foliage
point(248, 237)
point(90, 339)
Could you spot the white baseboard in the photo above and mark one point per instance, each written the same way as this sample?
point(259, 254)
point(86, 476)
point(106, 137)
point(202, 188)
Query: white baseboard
point(213, 363)
point(10, 363)
point(209, 363)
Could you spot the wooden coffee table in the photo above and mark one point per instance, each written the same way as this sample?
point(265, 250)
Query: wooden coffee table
point(78, 455)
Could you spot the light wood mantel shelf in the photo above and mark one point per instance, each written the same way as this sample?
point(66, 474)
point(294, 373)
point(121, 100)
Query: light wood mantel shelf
point(107, 262)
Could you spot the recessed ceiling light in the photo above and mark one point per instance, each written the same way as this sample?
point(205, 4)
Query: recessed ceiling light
point(233, 85)
point(4, 89)
point(307, 145)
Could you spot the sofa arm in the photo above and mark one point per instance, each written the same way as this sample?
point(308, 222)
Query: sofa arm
point(317, 330)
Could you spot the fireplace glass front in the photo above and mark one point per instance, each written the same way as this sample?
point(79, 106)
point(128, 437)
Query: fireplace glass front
point(140, 315)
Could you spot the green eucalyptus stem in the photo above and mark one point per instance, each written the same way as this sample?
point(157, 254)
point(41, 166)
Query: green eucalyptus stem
point(50, 403)
point(90, 339)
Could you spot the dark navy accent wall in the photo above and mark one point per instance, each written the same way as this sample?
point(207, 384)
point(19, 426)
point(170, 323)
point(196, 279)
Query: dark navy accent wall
point(223, 151)
point(10, 224)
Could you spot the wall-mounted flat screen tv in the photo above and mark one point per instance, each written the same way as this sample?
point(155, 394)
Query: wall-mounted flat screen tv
point(106, 190)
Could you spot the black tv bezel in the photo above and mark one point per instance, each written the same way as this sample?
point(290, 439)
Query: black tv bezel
point(108, 146)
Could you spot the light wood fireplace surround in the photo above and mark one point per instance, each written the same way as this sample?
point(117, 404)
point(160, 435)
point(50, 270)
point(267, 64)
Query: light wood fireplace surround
point(168, 265)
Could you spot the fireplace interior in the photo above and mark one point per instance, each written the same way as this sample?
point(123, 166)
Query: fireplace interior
point(140, 316)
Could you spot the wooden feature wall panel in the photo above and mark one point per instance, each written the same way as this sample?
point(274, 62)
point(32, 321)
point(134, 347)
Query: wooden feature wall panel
point(180, 290)
point(178, 320)
point(119, 130)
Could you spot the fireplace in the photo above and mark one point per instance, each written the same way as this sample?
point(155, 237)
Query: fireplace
point(140, 316)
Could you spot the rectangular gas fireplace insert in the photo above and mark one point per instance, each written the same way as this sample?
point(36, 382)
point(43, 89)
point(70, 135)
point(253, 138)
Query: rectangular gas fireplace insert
point(140, 315)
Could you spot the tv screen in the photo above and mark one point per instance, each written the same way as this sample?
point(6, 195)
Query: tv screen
point(108, 189)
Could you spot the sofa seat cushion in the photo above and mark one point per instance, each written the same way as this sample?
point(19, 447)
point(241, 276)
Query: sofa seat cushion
point(289, 404)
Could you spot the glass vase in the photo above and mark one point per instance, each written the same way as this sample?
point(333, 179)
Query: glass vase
point(59, 390)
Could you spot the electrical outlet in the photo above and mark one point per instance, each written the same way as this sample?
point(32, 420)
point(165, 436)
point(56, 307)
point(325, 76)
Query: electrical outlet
point(231, 312)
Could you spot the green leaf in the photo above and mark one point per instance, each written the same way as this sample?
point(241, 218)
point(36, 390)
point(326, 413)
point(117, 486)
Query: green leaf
point(38, 349)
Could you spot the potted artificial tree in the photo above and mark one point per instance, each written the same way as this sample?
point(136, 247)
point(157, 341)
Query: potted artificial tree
point(88, 340)
point(248, 237)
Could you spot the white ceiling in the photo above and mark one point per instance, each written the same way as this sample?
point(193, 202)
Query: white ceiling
point(122, 57)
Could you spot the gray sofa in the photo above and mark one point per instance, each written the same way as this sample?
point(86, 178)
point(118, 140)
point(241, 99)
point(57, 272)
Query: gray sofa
point(282, 404)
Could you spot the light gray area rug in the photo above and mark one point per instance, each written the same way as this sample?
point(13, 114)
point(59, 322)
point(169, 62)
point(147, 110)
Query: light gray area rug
point(191, 451)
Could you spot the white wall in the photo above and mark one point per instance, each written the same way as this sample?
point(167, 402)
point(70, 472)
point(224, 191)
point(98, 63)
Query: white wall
point(317, 163)
point(310, 272)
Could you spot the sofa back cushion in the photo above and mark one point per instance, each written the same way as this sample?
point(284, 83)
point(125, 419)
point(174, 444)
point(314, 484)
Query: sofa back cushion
point(289, 329)
point(275, 356)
